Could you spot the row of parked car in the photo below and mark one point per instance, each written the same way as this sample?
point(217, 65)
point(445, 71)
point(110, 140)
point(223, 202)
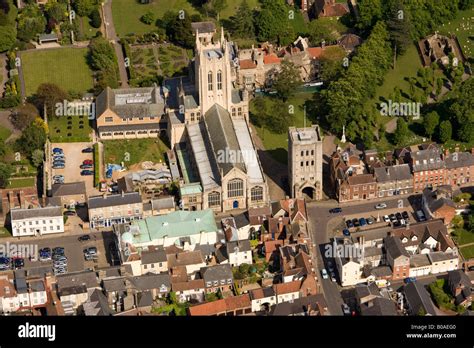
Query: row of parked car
point(397, 219)
point(7, 263)
point(59, 159)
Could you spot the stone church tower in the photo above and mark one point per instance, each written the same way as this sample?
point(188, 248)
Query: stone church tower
point(305, 162)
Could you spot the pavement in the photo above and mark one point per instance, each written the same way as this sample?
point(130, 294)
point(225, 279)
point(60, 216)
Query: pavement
point(322, 225)
point(72, 246)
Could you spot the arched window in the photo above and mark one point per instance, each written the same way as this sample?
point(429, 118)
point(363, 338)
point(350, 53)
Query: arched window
point(235, 188)
point(214, 199)
point(219, 80)
point(256, 194)
point(209, 81)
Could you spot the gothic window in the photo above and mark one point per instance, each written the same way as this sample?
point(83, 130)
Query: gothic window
point(235, 188)
point(256, 194)
point(219, 80)
point(214, 199)
point(209, 81)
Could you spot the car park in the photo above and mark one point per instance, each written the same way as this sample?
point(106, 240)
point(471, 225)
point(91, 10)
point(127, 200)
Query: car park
point(346, 309)
point(346, 232)
point(87, 172)
point(386, 218)
point(381, 206)
point(19, 263)
point(57, 150)
point(370, 221)
point(356, 222)
point(86, 166)
point(362, 221)
point(393, 218)
point(405, 215)
point(88, 150)
point(349, 224)
point(89, 162)
point(335, 210)
point(84, 238)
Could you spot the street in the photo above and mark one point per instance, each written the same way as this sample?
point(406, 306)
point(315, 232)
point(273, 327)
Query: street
point(322, 223)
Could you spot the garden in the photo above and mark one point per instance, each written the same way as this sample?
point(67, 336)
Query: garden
point(133, 151)
point(69, 129)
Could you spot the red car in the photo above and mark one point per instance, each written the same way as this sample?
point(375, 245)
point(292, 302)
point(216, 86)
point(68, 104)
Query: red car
point(88, 162)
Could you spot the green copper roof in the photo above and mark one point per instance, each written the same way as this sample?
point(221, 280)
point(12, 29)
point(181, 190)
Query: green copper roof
point(190, 189)
point(176, 224)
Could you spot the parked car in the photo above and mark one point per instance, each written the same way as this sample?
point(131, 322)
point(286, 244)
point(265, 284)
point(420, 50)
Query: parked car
point(91, 251)
point(88, 150)
point(59, 258)
point(58, 166)
point(405, 215)
point(86, 166)
point(57, 150)
point(333, 277)
point(397, 223)
point(398, 216)
point(324, 273)
point(19, 263)
point(409, 280)
point(346, 232)
point(84, 238)
point(349, 224)
point(356, 222)
point(381, 206)
point(335, 210)
point(370, 221)
point(421, 216)
point(346, 309)
point(58, 251)
point(363, 221)
point(386, 218)
point(392, 217)
point(87, 172)
point(58, 177)
point(88, 161)
point(45, 254)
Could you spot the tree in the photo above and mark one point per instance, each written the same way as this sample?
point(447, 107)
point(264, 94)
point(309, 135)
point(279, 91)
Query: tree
point(96, 20)
point(148, 17)
point(24, 115)
point(287, 80)
point(461, 110)
point(32, 138)
point(445, 131)
point(84, 7)
point(31, 22)
point(214, 7)
point(370, 11)
point(272, 21)
point(37, 157)
point(178, 29)
point(56, 11)
point(401, 133)
point(6, 171)
point(324, 29)
point(439, 85)
point(431, 122)
point(242, 23)
point(399, 26)
point(48, 95)
point(7, 38)
point(281, 118)
point(332, 63)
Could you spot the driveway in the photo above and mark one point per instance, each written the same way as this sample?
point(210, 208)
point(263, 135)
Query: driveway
point(74, 158)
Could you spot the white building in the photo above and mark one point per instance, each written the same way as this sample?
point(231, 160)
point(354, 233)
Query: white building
point(36, 221)
point(9, 301)
point(37, 293)
point(235, 253)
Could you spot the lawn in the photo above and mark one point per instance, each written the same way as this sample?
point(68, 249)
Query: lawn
point(22, 182)
point(468, 252)
point(4, 232)
point(66, 67)
point(277, 144)
point(87, 31)
point(463, 28)
point(4, 133)
point(127, 13)
point(464, 237)
point(69, 129)
point(233, 5)
point(136, 151)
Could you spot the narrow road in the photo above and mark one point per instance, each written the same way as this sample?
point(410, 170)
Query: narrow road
point(111, 35)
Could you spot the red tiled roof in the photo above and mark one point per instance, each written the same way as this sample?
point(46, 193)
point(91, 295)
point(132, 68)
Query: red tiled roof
point(315, 52)
point(189, 285)
point(221, 306)
point(287, 288)
point(247, 64)
point(271, 59)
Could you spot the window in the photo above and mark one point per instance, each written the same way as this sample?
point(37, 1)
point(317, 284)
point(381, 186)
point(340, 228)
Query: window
point(233, 112)
point(145, 266)
point(235, 188)
point(109, 119)
point(198, 116)
point(239, 112)
point(192, 199)
point(214, 199)
point(302, 164)
point(209, 81)
point(192, 116)
point(256, 194)
point(312, 152)
point(219, 80)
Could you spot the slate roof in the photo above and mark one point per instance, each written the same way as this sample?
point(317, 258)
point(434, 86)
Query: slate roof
point(299, 306)
point(394, 247)
point(418, 297)
point(69, 189)
point(258, 294)
point(393, 173)
point(86, 278)
point(155, 256)
point(151, 281)
point(378, 307)
point(185, 258)
point(20, 214)
point(97, 305)
point(204, 27)
point(163, 203)
point(218, 272)
point(463, 159)
point(114, 200)
point(429, 159)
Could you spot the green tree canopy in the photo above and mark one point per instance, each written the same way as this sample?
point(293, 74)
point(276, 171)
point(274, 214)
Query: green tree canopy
point(287, 80)
point(431, 122)
point(242, 25)
point(7, 38)
point(401, 133)
point(445, 131)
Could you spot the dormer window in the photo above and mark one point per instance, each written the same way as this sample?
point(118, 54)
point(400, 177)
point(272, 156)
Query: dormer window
point(414, 238)
point(404, 240)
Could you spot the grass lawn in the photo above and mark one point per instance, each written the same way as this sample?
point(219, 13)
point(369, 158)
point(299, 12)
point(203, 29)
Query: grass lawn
point(460, 27)
point(69, 129)
point(139, 150)
point(468, 252)
point(127, 13)
point(69, 69)
point(277, 144)
point(4, 232)
point(85, 28)
point(464, 237)
point(4, 133)
point(233, 5)
point(21, 182)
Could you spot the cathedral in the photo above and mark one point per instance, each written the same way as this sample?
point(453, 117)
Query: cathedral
point(208, 128)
